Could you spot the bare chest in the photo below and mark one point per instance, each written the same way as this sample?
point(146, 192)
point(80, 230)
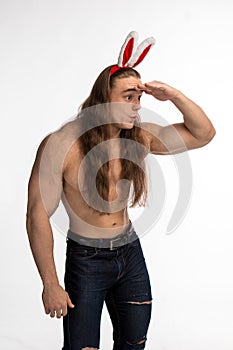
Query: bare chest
point(75, 173)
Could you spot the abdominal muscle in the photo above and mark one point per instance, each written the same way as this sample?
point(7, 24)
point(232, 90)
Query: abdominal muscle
point(89, 223)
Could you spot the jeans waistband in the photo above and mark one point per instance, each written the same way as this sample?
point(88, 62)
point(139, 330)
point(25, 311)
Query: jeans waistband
point(127, 236)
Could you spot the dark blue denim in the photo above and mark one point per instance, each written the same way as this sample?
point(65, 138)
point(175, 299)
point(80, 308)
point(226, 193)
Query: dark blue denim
point(118, 277)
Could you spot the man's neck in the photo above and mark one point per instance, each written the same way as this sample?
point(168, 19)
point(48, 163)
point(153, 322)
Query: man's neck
point(114, 131)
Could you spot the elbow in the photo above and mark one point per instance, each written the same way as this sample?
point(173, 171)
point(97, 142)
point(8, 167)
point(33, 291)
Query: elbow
point(209, 135)
point(34, 219)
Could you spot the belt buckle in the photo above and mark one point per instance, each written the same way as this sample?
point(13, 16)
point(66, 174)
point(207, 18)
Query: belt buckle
point(123, 239)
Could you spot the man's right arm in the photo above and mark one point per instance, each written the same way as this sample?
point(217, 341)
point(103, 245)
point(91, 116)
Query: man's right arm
point(44, 190)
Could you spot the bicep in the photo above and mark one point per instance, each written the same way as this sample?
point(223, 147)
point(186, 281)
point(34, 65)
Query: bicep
point(177, 138)
point(171, 139)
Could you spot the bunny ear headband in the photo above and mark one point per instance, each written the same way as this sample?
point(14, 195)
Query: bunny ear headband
point(131, 53)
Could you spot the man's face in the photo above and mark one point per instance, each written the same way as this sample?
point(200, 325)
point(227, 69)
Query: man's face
point(125, 101)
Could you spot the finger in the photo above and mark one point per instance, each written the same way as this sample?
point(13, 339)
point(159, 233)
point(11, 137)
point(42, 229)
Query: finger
point(153, 85)
point(147, 91)
point(148, 85)
point(69, 303)
point(141, 86)
point(46, 310)
point(64, 311)
point(144, 88)
point(52, 313)
point(59, 313)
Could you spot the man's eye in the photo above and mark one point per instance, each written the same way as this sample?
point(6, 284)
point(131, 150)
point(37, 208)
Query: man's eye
point(128, 98)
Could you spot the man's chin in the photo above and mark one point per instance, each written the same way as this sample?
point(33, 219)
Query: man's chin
point(126, 125)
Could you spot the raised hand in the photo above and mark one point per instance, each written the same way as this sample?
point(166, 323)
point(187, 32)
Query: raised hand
point(159, 90)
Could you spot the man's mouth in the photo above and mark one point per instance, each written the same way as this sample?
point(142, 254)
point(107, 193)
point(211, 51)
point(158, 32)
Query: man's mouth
point(133, 117)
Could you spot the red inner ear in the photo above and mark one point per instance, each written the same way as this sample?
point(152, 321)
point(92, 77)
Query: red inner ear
point(141, 57)
point(128, 51)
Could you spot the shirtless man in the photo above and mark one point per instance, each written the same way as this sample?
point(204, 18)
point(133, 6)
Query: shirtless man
point(99, 268)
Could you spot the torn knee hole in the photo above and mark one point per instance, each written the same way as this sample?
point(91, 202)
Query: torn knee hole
point(138, 342)
point(140, 303)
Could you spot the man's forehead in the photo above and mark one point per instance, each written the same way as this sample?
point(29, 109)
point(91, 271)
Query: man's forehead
point(130, 83)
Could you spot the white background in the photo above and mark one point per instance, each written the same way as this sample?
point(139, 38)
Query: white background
point(51, 53)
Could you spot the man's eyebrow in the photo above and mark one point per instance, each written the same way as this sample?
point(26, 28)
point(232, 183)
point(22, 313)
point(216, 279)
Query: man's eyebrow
point(132, 89)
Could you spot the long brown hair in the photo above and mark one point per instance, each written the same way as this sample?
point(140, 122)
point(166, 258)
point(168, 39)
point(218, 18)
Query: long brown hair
point(134, 171)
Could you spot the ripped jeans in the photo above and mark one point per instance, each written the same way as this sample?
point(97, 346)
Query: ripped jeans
point(118, 277)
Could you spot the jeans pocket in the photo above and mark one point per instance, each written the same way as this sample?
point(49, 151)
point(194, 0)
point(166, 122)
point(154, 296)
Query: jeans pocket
point(81, 252)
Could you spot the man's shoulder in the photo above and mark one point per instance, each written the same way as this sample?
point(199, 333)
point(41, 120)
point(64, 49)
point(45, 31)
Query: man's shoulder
point(58, 146)
point(60, 140)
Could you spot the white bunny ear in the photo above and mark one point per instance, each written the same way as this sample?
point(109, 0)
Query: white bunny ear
point(128, 49)
point(141, 52)
point(131, 55)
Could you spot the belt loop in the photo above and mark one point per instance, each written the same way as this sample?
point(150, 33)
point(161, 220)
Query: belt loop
point(111, 245)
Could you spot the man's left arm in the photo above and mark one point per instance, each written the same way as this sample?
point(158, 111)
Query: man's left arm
point(195, 131)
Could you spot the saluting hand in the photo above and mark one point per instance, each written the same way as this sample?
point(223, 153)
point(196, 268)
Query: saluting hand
point(159, 90)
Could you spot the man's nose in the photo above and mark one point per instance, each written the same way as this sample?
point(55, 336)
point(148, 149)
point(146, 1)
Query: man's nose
point(136, 105)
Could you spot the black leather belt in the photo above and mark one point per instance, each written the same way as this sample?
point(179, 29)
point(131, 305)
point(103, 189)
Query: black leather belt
point(129, 235)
